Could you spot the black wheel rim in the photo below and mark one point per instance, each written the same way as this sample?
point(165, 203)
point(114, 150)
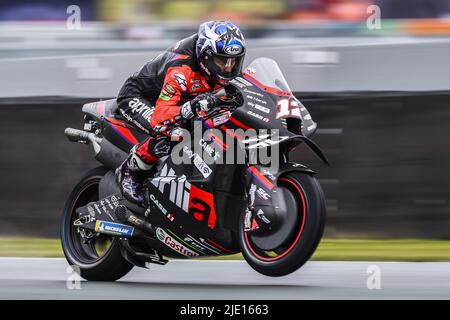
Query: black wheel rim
point(287, 247)
point(93, 252)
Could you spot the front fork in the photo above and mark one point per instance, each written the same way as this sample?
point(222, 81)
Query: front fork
point(261, 214)
point(266, 208)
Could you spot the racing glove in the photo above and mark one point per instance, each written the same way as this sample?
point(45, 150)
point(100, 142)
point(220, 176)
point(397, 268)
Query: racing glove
point(203, 102)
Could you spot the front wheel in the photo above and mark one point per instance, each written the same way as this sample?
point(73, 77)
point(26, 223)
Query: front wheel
point(98, 259)
point(306, 204)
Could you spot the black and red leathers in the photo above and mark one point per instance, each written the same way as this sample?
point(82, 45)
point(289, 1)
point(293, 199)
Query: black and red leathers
point(151, 99)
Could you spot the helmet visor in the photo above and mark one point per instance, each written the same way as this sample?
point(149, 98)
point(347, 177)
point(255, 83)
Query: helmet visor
point(226, 67)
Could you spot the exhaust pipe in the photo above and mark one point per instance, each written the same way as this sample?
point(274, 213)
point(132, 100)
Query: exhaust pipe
point(105, 151)
point(125, 216)
point(84, 137)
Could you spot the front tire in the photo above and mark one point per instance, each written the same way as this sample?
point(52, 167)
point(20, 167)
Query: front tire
point(310, 223)
point(90, 262)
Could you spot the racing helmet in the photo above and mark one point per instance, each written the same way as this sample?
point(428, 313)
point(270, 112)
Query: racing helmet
point(220, 50)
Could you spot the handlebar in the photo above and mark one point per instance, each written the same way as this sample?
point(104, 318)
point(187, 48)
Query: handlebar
point(227, 101)
point(225, 98)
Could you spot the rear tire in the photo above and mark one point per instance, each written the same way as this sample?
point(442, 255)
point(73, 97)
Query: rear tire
point(310, 226)
point(91, 266)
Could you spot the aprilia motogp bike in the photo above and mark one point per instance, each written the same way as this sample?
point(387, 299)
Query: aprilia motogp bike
point(275, 218)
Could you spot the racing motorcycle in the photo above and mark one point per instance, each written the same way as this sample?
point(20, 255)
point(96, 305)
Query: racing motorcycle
point(205, 207)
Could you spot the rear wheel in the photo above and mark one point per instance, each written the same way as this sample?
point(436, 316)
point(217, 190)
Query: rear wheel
point(306, 204)
point(98, 259)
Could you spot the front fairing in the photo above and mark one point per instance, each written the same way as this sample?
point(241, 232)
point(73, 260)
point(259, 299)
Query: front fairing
point(267, 113)
point(268, 103)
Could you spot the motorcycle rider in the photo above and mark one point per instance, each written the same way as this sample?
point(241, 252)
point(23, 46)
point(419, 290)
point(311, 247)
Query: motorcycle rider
point(173, 88)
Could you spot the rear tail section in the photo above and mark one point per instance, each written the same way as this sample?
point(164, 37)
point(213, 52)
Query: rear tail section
point(110, 135)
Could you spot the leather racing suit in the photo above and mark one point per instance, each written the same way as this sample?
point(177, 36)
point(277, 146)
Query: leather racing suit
point(151, 99)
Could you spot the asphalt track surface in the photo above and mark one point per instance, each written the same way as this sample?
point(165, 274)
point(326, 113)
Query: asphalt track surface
point(41, 278)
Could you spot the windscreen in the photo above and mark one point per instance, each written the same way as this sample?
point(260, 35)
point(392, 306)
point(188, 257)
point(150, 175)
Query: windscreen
point(267, 72)
point(269, 76)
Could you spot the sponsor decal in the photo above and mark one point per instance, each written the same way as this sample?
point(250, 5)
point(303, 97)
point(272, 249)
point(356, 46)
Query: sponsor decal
point(256, 99)
point(252, 194)
point(261, 178)
point(186, 110)
point(162, 148)
point(113, 228)
point(254, 93)
point(258, 116)
point(109, 204)
point(264, 143)
point(247, 83)
point(263, 217)
point(209, 149)
point(141, 108)
point(196, 80)
point(166, 93)
point(233, 50)
point(200, 243)
point(181, 79)
point(158, 204)
point(257, 138)
point(169, 88)
point(238, 84)
point(160, 234)
point(136, 220)
point(221, 119)
point(263, 194)
point(261, 108)
point(161, 207)
point(97, 208)
point(172, 243)
point(288, 109)
point(164, 97)
point(202, 207)
point(267, 173)
point(204, 169)
point(248, 220)
point(103, 205)
point(130, 119)
point(179, 187)
point(91, 211)
point(195, 201)
point(193, 244)
point(115, 201)
point(196, 87)
point(250, 70)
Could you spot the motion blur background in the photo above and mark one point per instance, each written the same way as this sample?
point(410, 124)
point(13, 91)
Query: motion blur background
point(380, 94)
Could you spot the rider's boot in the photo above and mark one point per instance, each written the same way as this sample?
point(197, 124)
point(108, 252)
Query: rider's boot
point(130, 176)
